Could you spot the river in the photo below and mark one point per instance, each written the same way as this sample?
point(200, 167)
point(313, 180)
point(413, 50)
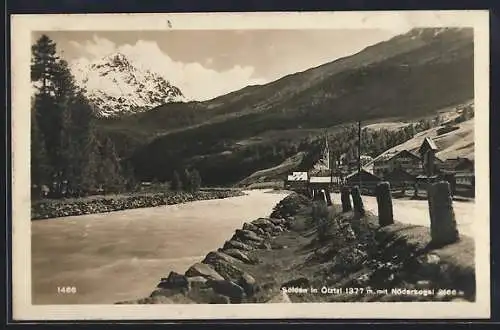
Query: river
point(122, 255)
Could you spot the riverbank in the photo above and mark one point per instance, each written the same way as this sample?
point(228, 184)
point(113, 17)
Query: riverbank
point(280, 258)
point(51, 208)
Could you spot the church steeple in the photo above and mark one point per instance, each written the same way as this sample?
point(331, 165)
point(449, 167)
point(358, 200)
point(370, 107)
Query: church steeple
point(326, 153)
point(323, 162)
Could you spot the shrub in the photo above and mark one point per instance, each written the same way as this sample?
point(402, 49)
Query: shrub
point(320, 216)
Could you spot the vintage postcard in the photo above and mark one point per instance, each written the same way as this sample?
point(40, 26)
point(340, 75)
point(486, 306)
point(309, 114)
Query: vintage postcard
point(250, 166)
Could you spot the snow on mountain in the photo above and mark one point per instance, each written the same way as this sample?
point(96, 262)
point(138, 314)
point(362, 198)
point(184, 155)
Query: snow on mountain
point(116, 86)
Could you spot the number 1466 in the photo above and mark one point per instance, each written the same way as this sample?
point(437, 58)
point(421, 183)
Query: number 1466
point(66, 289)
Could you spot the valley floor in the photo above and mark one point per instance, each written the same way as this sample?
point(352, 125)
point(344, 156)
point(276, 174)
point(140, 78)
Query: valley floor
point(290, 259)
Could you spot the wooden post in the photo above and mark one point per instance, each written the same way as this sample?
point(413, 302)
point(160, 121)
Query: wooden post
point(328, 198)
point(384, 203)
point(357, 201)
point(345, 199)
point(443, 225)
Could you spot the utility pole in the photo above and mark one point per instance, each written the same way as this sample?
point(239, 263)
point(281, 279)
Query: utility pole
point(359, 154)
point(332, 166)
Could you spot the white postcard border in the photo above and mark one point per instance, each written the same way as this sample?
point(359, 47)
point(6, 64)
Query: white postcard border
point(23, 25)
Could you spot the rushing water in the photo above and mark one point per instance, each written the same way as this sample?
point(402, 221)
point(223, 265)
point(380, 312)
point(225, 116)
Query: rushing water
point(122, 255)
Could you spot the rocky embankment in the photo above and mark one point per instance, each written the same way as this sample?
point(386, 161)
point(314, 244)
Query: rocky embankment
point(346, 258)
point(46, 209)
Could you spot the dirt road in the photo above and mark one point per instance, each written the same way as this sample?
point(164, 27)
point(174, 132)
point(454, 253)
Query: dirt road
point(417, 212)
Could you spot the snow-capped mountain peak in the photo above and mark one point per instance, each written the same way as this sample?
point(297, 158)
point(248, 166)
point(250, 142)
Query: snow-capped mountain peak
point(117, 86)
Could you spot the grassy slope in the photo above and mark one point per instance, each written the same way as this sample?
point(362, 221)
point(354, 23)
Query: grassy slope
point(274, 173)
point(357, 253)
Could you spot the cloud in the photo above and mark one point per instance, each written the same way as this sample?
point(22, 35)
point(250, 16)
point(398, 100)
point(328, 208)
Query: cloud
point(95, 48)
point(195, 80)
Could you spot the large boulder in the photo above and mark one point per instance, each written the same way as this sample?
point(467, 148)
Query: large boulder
point(204, 270)
point(197, 282)
point(215, 256)
point(227, 270)
point(251, 243)
point(277, 230)
point(278, 221)
point(235, 244)
point(263, 223)
point(247, 235)
point(290, 205)
point(207, 295)
point(230, 289)
point(248, 283)
point(270, 226)
point(251, 227)
point(263, 233)
point(240, 255)
point(173, 281)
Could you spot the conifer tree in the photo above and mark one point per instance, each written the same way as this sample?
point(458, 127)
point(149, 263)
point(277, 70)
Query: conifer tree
point(110, 169)
point(129, 176)
point(43, 63)
point(186, 180)
point(40, 167)
point(90, 163)
point(195, 180)
point(65, 119)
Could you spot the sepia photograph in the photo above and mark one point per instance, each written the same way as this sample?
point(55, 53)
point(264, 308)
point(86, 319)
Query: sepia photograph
point(250, 165)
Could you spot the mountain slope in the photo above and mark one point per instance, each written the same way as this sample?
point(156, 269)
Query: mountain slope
point(409, 76)
point(276, 172)
point(329, 86)
point(117, 87)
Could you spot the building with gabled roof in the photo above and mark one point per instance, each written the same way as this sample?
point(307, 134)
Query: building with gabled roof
point(402, 159)
point(427, 144)
point(364, 179)
point(457, 164)
point(427, 153)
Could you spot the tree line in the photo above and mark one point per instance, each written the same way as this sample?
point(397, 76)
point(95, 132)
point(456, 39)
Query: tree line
point(236, 163)
point(68, 155)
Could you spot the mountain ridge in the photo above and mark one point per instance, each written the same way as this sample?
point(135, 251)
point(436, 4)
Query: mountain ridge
point(408, 76)
point(118, 87)
point(162, 119)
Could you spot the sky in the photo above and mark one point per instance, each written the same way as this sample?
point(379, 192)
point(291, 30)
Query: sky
point(207, 63)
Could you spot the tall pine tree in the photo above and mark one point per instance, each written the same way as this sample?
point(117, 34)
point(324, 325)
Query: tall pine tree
point(90, 162)
point(110, 169)
point(195, 179)
point(43, 63)
point(40, 167)
point(186, 180)
point(65, 120)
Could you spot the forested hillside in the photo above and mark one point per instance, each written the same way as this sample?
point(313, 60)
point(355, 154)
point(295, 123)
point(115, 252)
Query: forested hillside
point(230, 137)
